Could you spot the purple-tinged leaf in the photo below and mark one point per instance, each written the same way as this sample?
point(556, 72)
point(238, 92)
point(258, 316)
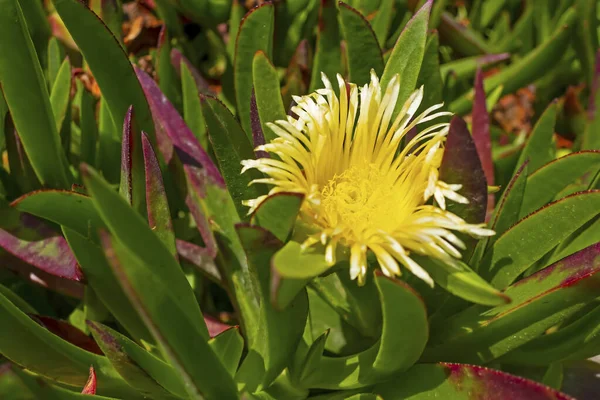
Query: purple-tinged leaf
point(216, 327)
point(258, 136)
point(202, 223)
point(90, 385)
point(159, 214)
point(461, 165)
point(200, 258)
point(464, 382)
point(69, 333)
point(170, 123)
point(37, 245)
point(482, 138)
point(177, 58)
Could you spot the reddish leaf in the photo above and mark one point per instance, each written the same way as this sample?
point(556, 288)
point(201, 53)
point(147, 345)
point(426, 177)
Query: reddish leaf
point(481, 136)
point(157, 206)
point(170, 123)
point(200, 257)
point(35, 244)
point(461, 165)
point(258, 136)
point(215, 327)
point(90, 386)
point(69, 333)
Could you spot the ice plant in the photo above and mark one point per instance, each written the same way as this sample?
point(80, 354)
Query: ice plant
point(364, 190)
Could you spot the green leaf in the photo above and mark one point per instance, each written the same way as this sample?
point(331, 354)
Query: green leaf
point(25, 92)
point(131, 230)
point(529, 240)
point(362, 49)
point(192, 110)
point(506, 213)
point(255, 34)
point(463, 282)
point(278, 213)
point(382, 21)
point(267, 92)
point(545, 183)
point(328, 54)
point(527, 69)
point(183, 341)
point(136, 365)
point(104, 283)
point(407, 54)
point(429, 75)
point(165, 72)
point(586, 36)
point(55, 57)
point(61, 93)
point(17, 300)
point(462, 39)
point(228, 346)
point(108, 62)
point(230, 146)
point(70, 209)
point(293, 262)
point(539, 148)
point(544, 299)
point(159, 214)
point(462, 382)
point(89, 129)
point(26, 343)
point(277, 333)
point(397, 350)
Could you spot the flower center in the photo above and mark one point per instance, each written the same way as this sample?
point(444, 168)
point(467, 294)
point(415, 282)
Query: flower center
point(357, 199)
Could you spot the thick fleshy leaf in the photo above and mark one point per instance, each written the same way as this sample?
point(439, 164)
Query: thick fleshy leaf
point(461, 165)
point(529, 240)
point(539, 148)
point(201, 258)
point(17, 300)
point(182, 340)
point(177, 59)
point(91, 384)
point(231, 147)
point(191, 106)
point(46, 250)
point(328, 54)
point(170, 123)
point(145, 372)
point(506, 213)
point(545, 183)
point(255, 34)
point(258, 136)
point(429, 76)
point(382, 22)
point(407, 54)
point(278, 213)
point(68, 333)
point(103, 281)
point(463, 39)
point(228, 346)
point(159, 215)
point(28, 344)
point(107, 60)
point(267, 93)
point(25, 92)
point(463, 282)
point(131, 185)
point(70, 209)
point(60, 93)
point(397, 349)
point(165, 71)
point(362, 50)
point(89, 129)
point(465, 68)
point(295, 263)
point(527, 69)
point(463, 382)
point(132, 231)
point(277, 333)
point(586, 36)
point(542, 300)
point(591, 140)
point(481, 133)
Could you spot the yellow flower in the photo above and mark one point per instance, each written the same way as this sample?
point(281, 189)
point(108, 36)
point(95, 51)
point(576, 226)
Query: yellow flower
point(363, 190)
